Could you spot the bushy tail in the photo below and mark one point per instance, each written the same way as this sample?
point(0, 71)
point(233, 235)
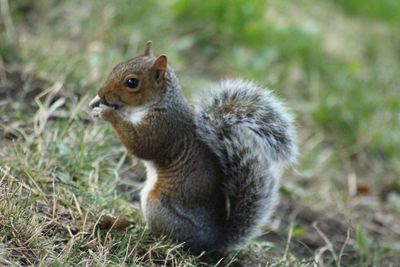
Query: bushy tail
point(252, 135)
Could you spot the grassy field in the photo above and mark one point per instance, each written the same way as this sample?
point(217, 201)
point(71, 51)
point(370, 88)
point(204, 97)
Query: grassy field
point(64, 177)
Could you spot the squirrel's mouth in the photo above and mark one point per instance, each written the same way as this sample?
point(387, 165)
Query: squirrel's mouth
point(97, 101)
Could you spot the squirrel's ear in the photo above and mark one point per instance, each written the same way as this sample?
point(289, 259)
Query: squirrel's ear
point(148, 49)
point(160, 66)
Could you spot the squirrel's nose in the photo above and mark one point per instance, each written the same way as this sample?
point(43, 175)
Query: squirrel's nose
point(96, 101)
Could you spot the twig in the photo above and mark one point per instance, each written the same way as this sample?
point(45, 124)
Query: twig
point(327, 241)
point(288, 241)
point(344, 246)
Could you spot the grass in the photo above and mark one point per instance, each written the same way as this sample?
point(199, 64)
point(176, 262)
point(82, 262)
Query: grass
point(61, 175)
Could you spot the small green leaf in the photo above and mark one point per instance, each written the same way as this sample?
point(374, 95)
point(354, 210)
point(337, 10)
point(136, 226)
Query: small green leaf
point(298, 231)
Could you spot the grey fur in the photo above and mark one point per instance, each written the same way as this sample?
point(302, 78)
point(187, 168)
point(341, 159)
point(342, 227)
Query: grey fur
point(253, 137)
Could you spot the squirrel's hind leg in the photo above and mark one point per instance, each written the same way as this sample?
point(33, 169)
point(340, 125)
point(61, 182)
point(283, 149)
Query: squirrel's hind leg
point(198, 233)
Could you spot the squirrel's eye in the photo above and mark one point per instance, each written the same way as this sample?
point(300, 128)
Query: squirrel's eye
point(132, 83)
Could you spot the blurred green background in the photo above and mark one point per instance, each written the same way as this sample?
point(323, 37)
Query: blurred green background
point(335, 63)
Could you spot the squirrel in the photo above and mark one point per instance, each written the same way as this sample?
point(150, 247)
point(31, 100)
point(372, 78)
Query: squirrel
point(212, 170)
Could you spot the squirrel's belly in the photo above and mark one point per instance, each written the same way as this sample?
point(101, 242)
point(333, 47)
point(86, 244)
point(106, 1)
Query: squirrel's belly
point(151, 179)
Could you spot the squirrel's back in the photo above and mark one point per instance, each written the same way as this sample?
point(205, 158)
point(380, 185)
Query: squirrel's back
point(253, 137)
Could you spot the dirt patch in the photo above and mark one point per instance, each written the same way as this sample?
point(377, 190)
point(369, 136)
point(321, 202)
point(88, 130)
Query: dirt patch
point(330, 232)
point(28, 11)
point(17, 85)
point(16, 88)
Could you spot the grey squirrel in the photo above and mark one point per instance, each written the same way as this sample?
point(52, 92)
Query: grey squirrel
point(212, 171)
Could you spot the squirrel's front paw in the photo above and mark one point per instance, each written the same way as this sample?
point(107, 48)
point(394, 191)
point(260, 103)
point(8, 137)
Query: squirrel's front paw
point(103, 112)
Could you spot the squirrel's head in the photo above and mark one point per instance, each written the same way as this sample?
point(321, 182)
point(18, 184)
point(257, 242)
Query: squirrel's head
point(134, 83)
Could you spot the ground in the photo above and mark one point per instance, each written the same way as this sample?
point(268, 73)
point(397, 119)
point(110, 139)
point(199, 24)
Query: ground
point(65, 179)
